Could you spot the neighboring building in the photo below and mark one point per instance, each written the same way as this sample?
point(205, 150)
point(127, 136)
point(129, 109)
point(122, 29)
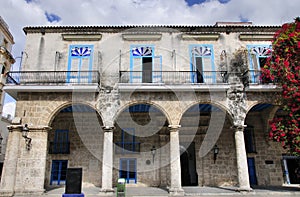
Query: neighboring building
point(174, 100)
point(6, 60)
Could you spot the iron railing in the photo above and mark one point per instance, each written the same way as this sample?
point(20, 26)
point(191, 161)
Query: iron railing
point(53, 77)
point(174, 77)
point(255, 77)
point(59, 148)
point(127, 147)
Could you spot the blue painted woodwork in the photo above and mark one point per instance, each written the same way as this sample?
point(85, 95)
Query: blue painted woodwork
point(137, 53)
point(206, 53)
point(252, 171)
point(128, 169)
point(255, 52)
point(73, 195)
point(80, 59)
point(58, 172)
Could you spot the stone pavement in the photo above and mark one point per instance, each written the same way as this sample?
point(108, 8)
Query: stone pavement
point(141, 191)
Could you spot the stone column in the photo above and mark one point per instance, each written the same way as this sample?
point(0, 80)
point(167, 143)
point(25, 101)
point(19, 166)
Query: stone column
point(9, 171)
point(175, 188)
point(241, 156)
point(107, 160)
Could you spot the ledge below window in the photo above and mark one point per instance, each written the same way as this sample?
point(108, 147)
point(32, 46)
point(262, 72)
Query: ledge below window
point(81, 37)
point(256, 37)
point(213, 36)
point(141, 37)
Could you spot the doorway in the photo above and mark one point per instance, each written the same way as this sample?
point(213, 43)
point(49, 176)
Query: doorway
point(291, 166)
point(128, 170)
point(147, 70)
point(189, 176)
point(252, 171)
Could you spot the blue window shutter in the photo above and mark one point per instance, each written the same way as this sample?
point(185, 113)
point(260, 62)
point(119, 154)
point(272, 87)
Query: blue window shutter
point(80, 59)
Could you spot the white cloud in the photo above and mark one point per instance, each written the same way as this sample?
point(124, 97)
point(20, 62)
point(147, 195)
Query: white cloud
point(18, 13)
point(9, 109)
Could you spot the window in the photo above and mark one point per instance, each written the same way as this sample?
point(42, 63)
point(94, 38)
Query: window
point(145, 67)
point(58, 172)
point(202, 64)
point(61, 144)
point(80, 64)
point(258, 57)
point(128, 170)
point(128, 145)
point(249, 139)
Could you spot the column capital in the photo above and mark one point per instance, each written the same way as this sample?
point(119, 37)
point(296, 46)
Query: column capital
point(174, 128)
point(108, 128)
point(239, 128)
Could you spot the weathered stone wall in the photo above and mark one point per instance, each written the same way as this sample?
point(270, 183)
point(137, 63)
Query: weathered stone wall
point(267, 174)
point(86, 144)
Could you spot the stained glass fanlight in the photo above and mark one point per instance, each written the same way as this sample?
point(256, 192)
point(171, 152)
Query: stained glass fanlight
point(201, 51)
point(81, 51)
point(261, 51)
point(142, 51)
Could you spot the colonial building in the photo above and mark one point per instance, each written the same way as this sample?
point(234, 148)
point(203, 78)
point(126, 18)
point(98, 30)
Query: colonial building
point(6, 60)
point(165, 106)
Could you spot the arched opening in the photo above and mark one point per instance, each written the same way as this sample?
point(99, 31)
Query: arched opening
point(266, 159)
point(75, 141)
point(140, 138)
point(202, 127)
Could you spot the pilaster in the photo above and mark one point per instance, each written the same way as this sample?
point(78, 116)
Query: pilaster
point(9, 171)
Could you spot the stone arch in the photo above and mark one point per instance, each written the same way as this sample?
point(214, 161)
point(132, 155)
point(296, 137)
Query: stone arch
point(126, 105)
point(55, 111)
point(217, 104)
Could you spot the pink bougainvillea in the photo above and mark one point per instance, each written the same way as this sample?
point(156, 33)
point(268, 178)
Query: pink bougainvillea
point(283, 67)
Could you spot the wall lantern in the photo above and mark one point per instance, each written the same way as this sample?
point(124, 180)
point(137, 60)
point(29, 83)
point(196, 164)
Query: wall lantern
point(153, 152)
point(216, 152)
point(25, 131)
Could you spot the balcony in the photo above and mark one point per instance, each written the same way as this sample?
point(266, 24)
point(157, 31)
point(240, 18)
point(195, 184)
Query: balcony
point(51, 81)
point(173, 77)
point(53, 77)
point(175, 80)
point(254, 82)
point(59, 148)
point(127, 147)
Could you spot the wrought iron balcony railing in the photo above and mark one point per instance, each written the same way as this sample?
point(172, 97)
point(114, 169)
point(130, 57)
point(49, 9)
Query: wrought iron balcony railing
point(174, 77)
point(53, 77)
point(127, 147)
point(255, 77)
point(59, 148)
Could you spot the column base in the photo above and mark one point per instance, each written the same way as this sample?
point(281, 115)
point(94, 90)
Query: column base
point(244, 189)
point(29, 192)
point(107, 192)
point(6, 193)
point(176, 192)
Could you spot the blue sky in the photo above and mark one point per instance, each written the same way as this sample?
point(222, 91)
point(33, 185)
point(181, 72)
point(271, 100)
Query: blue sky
point(20, 13)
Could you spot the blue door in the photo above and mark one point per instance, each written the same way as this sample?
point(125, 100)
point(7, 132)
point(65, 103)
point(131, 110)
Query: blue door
point(252, 171)
point(128, 170)
point(58, 172)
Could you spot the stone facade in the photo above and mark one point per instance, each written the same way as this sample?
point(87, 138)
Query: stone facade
point(161, 133)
